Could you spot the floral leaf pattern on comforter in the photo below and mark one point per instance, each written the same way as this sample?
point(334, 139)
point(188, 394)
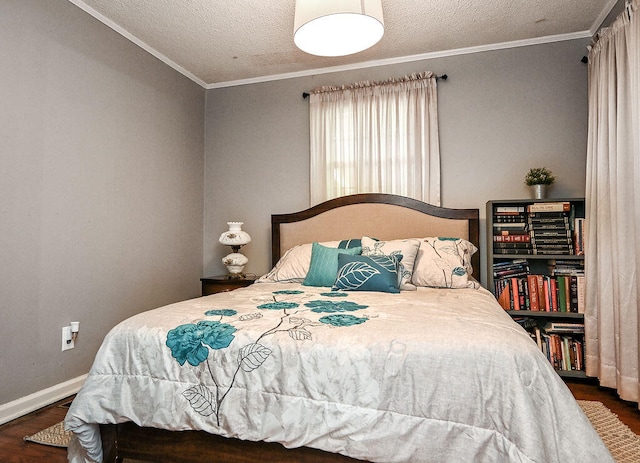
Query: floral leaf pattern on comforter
point(191, 343)
point(201, 399)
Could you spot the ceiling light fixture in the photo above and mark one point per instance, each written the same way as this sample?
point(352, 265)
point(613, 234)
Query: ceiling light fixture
point(337, 27)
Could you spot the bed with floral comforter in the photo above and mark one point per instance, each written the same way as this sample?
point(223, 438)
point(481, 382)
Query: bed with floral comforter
point(431, 375)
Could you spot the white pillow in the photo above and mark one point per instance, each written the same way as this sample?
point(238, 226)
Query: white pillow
point(408, 248)
point(444, 263)
point(294, 264)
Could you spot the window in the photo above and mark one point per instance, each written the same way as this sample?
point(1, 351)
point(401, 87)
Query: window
point(376, 138)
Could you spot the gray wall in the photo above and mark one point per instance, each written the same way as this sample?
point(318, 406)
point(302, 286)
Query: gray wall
point(101, 188)
point(501, 112)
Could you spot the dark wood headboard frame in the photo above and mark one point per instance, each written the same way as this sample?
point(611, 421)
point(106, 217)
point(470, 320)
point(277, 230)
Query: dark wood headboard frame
point(472, 216)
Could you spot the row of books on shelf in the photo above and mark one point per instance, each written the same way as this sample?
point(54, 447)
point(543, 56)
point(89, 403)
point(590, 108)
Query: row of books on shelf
point(538, 229)
point(520, 266)
point(559, 293)
point(562, 343)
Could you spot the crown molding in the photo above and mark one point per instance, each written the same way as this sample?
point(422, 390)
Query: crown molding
point(407, 59)
point(127, 35)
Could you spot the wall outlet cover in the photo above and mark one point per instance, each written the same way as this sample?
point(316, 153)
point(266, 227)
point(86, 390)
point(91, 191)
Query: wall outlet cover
point(67, 340)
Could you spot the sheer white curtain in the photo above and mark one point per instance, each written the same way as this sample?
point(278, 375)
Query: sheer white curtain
point(379, 137)
point(613, 207)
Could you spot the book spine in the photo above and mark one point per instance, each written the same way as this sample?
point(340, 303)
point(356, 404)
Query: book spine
point(581, 294)
point(515, 293)
point(547, 294)
point(553, 291)
point(508, 209)
point(562, 294)
point(573, 293)
point(512, 238)
point(532, 284)
point(549, 207)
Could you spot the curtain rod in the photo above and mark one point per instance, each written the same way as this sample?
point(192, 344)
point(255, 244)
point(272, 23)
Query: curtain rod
point(442, 77)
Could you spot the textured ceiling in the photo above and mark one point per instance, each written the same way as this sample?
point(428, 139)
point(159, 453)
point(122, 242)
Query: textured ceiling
point(229, 42)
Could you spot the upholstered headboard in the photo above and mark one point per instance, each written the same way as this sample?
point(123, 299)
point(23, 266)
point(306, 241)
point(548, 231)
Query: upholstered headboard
point(381, 216)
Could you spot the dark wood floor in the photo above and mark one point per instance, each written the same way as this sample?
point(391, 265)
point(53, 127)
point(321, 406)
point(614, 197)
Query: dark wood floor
point(13, 449)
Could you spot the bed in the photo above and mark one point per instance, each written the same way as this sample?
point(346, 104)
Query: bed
point(401, 357)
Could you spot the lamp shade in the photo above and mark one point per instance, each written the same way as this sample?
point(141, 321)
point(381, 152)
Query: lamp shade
point(235, 236)
point(337, 27)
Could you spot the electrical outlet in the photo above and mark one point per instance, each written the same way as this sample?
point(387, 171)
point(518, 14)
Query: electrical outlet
point(67, 340)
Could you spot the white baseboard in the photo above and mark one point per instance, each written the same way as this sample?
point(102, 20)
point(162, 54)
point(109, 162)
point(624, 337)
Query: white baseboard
point(25, 405)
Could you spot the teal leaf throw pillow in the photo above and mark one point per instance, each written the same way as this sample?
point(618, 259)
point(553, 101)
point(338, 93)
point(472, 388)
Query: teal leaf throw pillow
point(407, 248)
point(324, 264)
point(368, 273)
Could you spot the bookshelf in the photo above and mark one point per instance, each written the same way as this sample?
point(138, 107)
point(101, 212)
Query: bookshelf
point(535, 269)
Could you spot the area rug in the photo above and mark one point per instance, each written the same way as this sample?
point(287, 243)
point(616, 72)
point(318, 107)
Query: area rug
point(54, 435)
point(621, 441)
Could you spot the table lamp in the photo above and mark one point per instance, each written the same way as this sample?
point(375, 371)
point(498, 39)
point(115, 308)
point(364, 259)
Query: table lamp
point(236, 238)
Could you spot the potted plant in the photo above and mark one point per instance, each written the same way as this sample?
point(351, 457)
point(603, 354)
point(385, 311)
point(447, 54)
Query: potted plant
point(538, 178)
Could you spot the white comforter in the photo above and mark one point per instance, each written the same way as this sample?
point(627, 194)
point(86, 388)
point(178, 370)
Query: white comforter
point(433, 375)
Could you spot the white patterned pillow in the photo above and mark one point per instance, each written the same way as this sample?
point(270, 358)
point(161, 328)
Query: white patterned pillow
point(408, 248)
point(444, 263)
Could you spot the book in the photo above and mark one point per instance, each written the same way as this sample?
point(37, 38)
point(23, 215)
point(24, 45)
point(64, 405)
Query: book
point(558, 206)
point(515, 263)
point(553, 294)
point(564, 327)
point(547, 215)
point(514, 232)
point(512, 238)
point(581, 293)
point(548, 244)
point(578, 236)
point(560, 221)
point(549, 233)
point(508, 209)
point(511, 245)
point(562, 294)
point(534, 303)
point(513, 251)
point(573, 293)
point(552, 241)
point(509, 225)
point(526, 322)
point(547, 294)
point(515, 294)
point(504, 295)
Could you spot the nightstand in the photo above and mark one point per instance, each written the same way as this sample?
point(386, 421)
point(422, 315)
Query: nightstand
point(221, 283)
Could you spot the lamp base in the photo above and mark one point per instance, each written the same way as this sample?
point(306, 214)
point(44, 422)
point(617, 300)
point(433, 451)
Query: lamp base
point(235, 263)
point(236, 276)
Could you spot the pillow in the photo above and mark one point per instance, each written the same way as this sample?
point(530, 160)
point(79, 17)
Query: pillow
point(348, 244)
point(293, 266)
point(408, 248)
point(324, 264)
point(444, 263)
point(368, 273)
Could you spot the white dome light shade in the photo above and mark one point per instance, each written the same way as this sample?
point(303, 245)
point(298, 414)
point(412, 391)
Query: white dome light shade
point(337, 27)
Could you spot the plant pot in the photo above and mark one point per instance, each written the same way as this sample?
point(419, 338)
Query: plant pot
point(539, 191)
